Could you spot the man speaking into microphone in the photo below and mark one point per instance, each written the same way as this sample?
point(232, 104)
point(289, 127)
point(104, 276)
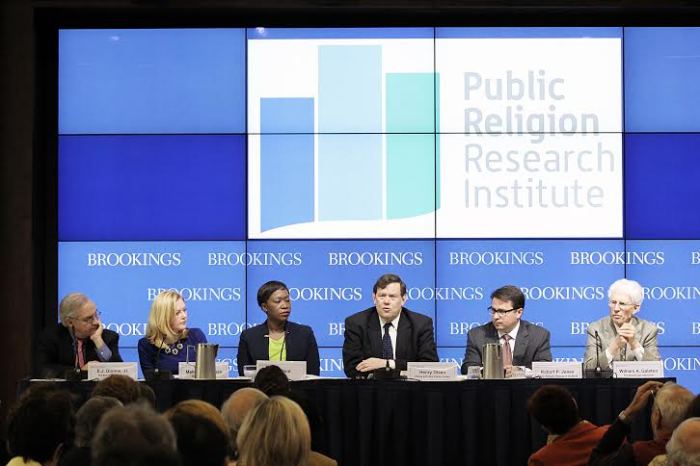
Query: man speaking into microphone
point(78, 339)
point(621, 336)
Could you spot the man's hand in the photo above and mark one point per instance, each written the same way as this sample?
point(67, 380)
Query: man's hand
point(96, 336)
point(628, 332)
point(370, 364)
point(641, 397)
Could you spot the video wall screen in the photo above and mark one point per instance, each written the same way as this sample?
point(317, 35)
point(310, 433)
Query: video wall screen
point(213, 160)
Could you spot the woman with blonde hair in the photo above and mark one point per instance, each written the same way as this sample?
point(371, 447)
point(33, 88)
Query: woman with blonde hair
point(275, 432)
point(167, 335)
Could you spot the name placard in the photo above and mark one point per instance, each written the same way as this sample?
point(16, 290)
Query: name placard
point(432, 371)
point(557, 370)
point(638, 369)
point(295, 370)
point(101, 370)
point(186, 370)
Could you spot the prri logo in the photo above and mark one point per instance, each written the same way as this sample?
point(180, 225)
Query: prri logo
point(352, 127)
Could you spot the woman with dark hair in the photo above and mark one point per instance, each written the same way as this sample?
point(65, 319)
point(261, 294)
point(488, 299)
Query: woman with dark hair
point(278, 339)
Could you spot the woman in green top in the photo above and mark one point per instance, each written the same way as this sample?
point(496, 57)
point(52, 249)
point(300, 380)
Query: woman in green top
point(278, 339)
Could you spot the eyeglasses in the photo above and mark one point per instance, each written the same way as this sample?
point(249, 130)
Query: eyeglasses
point(613, 304)
point(501, 312)
point(90, 319)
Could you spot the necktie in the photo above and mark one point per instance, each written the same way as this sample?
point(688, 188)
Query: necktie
point(507, 353)
point(80, 357)
point(387, 351)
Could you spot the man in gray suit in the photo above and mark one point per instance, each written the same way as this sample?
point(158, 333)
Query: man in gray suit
point(522, 342)
point(621, 336)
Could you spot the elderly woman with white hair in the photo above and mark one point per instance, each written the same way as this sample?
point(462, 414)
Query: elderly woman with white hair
point(621, 336)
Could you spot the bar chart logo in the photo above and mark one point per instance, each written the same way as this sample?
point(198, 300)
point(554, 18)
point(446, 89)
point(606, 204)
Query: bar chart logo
point(342, 138)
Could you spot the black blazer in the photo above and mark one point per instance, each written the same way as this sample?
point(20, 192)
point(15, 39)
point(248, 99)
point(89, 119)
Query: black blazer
point(531, 344)
point(363, 339)
point(56, 354)
point(300, 345)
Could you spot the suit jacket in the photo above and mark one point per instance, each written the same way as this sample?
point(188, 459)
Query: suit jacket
point(300, 345)
point(645, 332)
point(570, 449)
point(531, 344)
point(363, 339)
point(56, 353)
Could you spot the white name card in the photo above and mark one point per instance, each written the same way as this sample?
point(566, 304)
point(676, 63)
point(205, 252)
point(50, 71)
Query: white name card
point(101, 370)
point(186, 370)
point(294, 370)
point(557, 370)
point(432, 371)
point(638, 369)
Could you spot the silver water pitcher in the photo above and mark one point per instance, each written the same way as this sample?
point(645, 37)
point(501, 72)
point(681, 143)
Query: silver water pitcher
point(205, 364)
point(493, 361)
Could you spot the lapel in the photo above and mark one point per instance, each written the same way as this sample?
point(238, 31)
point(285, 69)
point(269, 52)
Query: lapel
point(521, 341)
point(403, 336)
point(289, 346)
point(263, 339)
point(491, 335)
point(374, 334)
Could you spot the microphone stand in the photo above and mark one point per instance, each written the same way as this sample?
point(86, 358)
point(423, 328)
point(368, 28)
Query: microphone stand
point(156, 373)
point(74, 374)
point(598, 372)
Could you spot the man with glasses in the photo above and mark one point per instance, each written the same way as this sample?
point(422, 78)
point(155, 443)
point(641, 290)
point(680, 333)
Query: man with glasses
point(521, 341)
point(621, 336)
point(78, 339)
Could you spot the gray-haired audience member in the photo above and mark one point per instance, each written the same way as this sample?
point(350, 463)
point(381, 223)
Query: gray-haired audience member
point(684, 447)
point(134, 435)
point(235, 408)
point(671, 402)
point(86, 420)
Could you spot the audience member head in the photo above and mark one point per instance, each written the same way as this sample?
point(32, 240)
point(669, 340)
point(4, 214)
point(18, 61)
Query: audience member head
point(121, 387)
point(41, 424)
point(88, 417)
point(134, 436)
point(167, 321)
point(554, 408)
point(684, 447)
point(236, 407)
point(693, 408)
point(670, 408)
point(147, 395)
point(202, 437)
point(272, 380)
point(275, 432)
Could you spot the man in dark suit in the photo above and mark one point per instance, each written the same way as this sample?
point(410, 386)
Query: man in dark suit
point(387, 335)
point(78, 339)
point(525, 342)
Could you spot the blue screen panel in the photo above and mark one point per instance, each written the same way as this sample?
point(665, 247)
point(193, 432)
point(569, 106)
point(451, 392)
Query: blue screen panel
point(564, 282)
point(139, 81)
point(526, 32)
point(121, 188)
point(330, 280)
point(661, 75)
point(331, 362)
point(661, 187)
point(671, 288)
point(124, 278)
